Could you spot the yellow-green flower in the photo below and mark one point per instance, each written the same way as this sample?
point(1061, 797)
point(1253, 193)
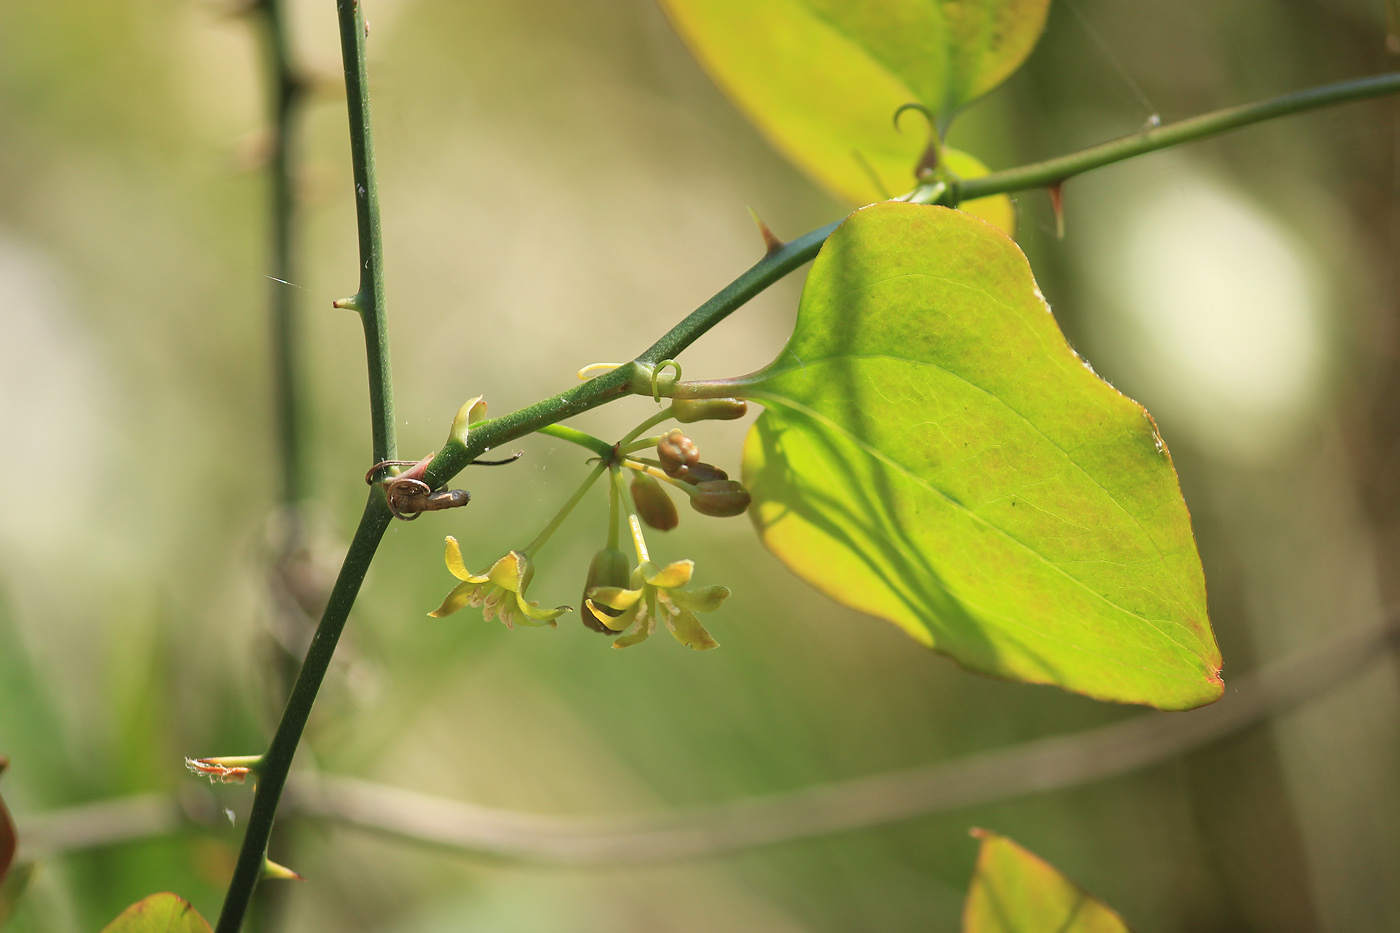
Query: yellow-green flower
point(500, 591)
point(657, 594)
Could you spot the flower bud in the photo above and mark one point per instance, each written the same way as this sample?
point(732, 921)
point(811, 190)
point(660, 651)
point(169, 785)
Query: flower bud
point(690, 410)
point(677, 452)
point(701, 472)
point(721, 498)
point(610, 567)
point(654, 506)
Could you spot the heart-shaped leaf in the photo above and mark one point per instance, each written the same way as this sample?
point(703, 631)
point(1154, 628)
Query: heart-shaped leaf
point(1015, 891)
point(159, 913)
point(933, 452)
point(824, 78)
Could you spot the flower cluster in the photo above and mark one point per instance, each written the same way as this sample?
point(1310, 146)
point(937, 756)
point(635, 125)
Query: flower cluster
point(621, 597)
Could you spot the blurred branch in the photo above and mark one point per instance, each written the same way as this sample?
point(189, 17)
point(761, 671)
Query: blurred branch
point(288, 88)
point(1033, 767)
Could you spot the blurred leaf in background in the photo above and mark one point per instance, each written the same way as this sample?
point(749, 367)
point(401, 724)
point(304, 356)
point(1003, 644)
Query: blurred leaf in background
point(1014, 891)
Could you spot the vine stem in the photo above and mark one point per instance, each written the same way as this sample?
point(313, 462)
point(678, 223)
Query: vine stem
point(277, 761)
point(778, 263)
point(626, 380)
point(369, 302)
point(1150, 139)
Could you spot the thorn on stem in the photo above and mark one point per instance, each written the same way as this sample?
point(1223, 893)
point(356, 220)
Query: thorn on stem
point(272, 870)
point(771, 244)
point(1057, 204)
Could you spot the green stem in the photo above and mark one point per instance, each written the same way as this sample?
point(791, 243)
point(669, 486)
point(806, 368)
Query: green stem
point(369, 301)
point(1053, 171)
point(645, 426)
point(614, 509)
point(596, 444)
point(634, 525)
point(609, 386)
point(777, 264)
point(653, 468)
point(563, 513)
point(277, 762)
point(640, 444)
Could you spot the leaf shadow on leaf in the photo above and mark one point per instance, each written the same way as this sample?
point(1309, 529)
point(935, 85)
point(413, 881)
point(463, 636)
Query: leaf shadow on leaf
point(873, 533)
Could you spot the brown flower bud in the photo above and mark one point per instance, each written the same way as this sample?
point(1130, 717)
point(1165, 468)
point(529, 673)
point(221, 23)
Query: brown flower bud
point(722, 498)
point(677, 452)
point(701, 472)
point(609, 568)
point(690, 410)
point(654, 506)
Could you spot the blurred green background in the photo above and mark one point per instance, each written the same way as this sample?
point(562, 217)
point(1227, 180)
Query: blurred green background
point(560, 183)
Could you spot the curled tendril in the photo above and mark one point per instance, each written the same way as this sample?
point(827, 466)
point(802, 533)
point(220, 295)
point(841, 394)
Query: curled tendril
point(656, 378)
point(928, 114)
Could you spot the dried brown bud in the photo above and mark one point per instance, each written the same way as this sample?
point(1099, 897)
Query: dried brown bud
point(690, 410)
point(722, 498)
point(610, 567)
point(654, 506)
point(677, 452)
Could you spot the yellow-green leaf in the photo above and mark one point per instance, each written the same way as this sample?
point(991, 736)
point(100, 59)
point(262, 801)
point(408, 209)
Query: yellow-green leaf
point(823, 78)
point(933, 452)
point(159, 913)
point(1015, 891)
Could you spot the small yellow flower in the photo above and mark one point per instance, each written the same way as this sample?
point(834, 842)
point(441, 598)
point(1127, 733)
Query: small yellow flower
point(657, 594)
point(500, 591)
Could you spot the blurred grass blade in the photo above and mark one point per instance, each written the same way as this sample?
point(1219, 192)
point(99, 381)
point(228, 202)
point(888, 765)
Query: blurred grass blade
point(1015, 891)
point(934, 453)
point(823, 78)
point(159, 913)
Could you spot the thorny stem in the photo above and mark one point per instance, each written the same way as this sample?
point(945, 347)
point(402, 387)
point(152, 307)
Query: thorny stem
point(1150, 139)
point(369, 301)
point(778, 263)
point(277, 762)
point(613, 385)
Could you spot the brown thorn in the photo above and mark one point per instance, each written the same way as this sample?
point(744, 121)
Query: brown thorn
point(771, 244)
point(1057, 204)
